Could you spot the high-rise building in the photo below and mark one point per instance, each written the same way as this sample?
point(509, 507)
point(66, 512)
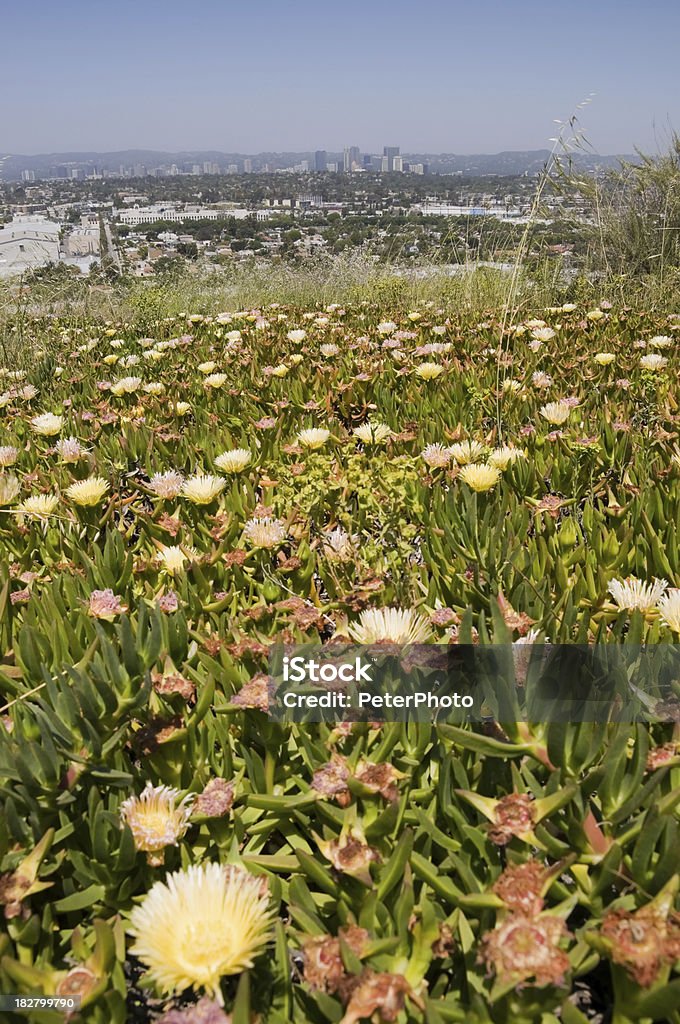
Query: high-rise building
point(320, 160)
point(354, 158)
point(247, 166)
point(398, 164)
point(390, 152)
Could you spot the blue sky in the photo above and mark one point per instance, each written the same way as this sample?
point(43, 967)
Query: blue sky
point(259, 75)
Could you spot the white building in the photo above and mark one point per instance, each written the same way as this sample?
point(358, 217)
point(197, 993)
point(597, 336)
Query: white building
point(27, 242)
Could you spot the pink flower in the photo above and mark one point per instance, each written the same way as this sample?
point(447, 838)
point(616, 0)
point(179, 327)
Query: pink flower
point(104, 604)
point(168, 602)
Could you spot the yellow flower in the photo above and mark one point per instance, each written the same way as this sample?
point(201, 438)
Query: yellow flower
point(38, 506)
point(265, 533)
point(215, 380)
point(480, 478)
point(207, 367)
point(111, 359)
point(314, 437)
point(372, 433)
point(280, 371)
point(88, 492)
point(156, 819)
point(199, 926)
point(182, 408)
point(393, 625)
point(604, 358)
point(595, 315)
point(233, 461)
point(126, 386)
point(429, 371)
point(502, 457)
point(174, 558)
point(556, 413)
point(47, 424)
point(466, 451)
point(669, 606)
point(202, 489)
point(8, 455)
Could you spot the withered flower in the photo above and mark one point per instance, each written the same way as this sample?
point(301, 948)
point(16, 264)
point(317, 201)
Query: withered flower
point(643, 941)
point(523, 948)
point(255, 693)
point(324, 969)
point(519, 887)
point(351, 855)
point(379, 778)
point(330, 780)
point(514, 816)
point(384, 994)
point(216, 800)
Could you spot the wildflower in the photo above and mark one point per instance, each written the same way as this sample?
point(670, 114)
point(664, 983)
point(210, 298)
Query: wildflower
point(9, 488)
point(429, 371)
point(216, 800)
point(643, 941)
point(167, 485)
point(8, 455)
point(519, 886)
point(174, 558)
point(661, 341)
point(156, 819)
point(339, 546)
point(314, 437)
point(653, 361)
point(511, 386)
point(201, 925)
point(604, 358)
point(513, 816)
point(202, 489)
point(207, 367)
point(467, 451)
point(38, 506)
point(265, 532)
point(47, 424)
point(556, 412)
point(390, 625)
point(295, 359)
point(126, 386)
point(594, 315)
point(522, 948)
point(669, 606)
point(386, 327)
point(70, 449)
point(104, 604)
point(436, 455)
point(89, 492)
point(296, 336)
point(502, 457)
point(182, 408)
point(168, 602)
point(215, 380)
point(541, 380)
point(234, 460)
point(329, 350)
point(111, 359)
point(479, 477)
point(372, 433)
point(543, 333)
point(632, 593)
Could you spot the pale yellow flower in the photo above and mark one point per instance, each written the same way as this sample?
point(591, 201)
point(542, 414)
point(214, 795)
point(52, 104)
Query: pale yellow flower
point(297, 336)
point(8, 455)
point(669, 606)
point(156, 819)
point(9, 488)
point(167, 485)
point(203, 488)
point(339, 546)
point(604, 358)
point(47, 424)
point(653, 361)
point(207, 367)
point(38, 506)
point(372, 433)
point(126, 386)
point(88, 492)
point(429, 371)
point(631, 594)
point(595, 315)
point(215, 380)
point(174, 558)
point(503, 456)
point(393, 625)
point(556, 413)
point(182, 408)
point(199, 926)
point(233, 461)
point(280, 371)
point(480, 477)
point(465, 452)
point(265, 532)
point(313, 437)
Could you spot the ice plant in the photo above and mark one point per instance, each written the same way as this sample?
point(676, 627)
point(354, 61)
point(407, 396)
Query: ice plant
point(89, 492)
point(465, 452)
point(47, 423)
point(429, 371)
point(633, 594)
point(199, 926)
point(436, 455)
point(526, 948)
point(669, 607)
point(653, 361)
point(339, 546)
point(373, 433)
point(480, 477)
point(157, 818)
point(313, 437)
point(203, 489)
point(8, 455)
point(167, 485)
point(504, 456)
point(233, 461)
point(38, 506)
point(264, 532)
point(556, 413)
point(69, 449)
point(391, 625)
point(104, 604)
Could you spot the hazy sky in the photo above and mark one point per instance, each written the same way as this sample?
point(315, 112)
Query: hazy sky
point(253, 75)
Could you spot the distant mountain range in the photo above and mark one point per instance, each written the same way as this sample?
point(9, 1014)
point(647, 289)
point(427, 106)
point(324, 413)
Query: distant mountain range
point(52, 165)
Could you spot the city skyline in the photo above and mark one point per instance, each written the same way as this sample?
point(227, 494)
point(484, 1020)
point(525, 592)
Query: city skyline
point(445, 78)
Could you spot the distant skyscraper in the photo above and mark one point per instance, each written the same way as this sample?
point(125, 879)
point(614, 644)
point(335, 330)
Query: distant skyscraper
point(320, 160)
point(354, 158)
point(247, 166)
point(390, 152)
point(398, 164)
